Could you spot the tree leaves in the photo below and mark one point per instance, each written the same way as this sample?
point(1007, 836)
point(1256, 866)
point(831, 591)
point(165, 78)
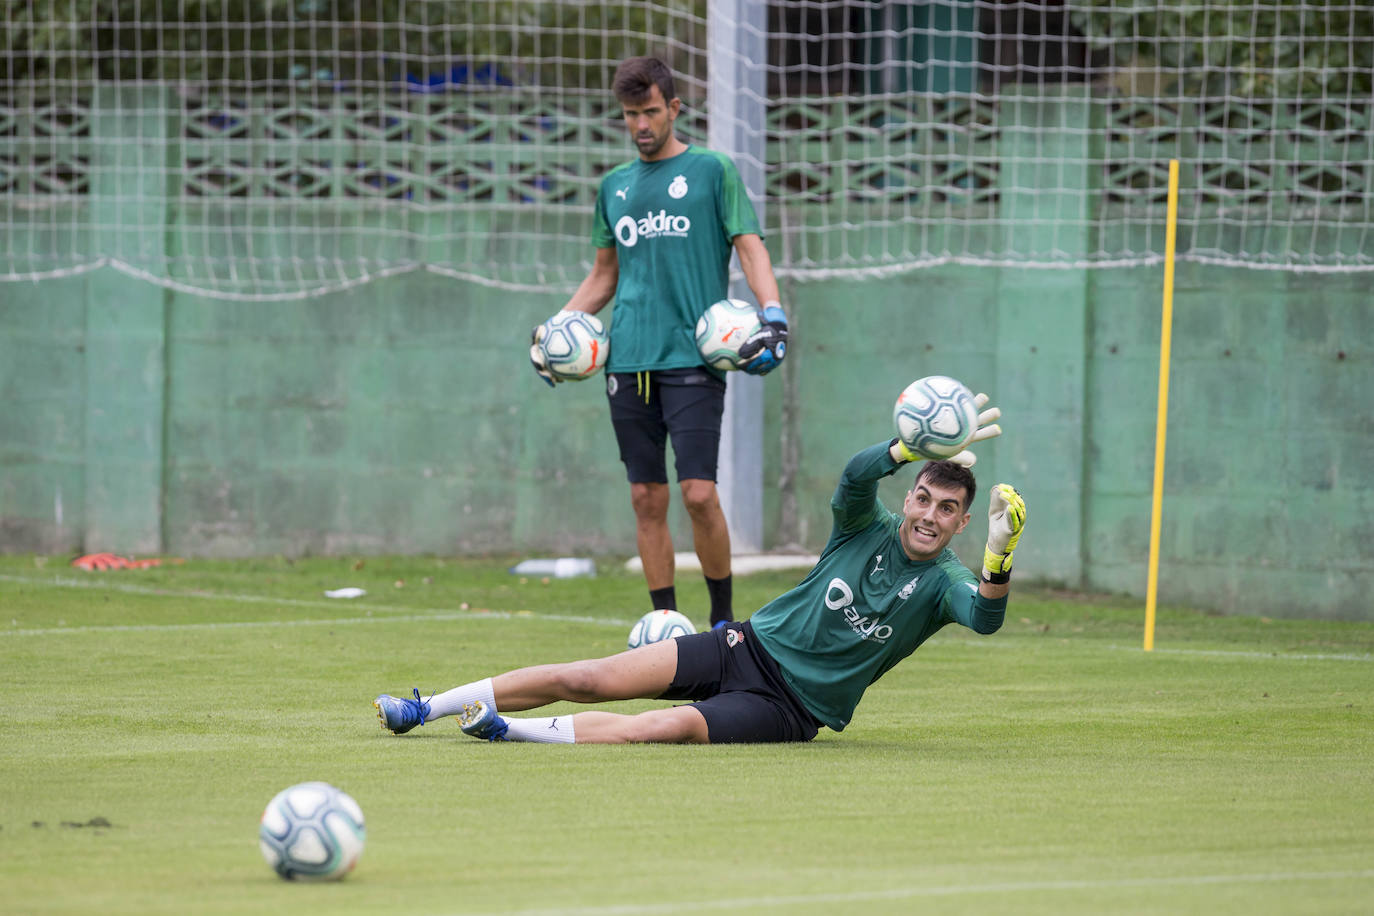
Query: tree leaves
point(1274, 50)
point(333, 41)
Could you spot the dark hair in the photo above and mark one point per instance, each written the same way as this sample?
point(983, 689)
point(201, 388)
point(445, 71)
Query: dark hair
point(949, 475)
point(637, 75)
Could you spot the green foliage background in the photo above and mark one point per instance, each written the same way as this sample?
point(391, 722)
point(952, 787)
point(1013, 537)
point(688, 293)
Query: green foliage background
point(1287, 48)
point(276, 40)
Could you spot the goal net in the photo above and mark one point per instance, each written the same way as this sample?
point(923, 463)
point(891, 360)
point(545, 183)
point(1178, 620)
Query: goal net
point(284, 149)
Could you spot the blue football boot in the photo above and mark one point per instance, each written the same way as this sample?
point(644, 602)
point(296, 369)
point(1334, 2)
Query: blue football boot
point(481, 721)
point(399, 715)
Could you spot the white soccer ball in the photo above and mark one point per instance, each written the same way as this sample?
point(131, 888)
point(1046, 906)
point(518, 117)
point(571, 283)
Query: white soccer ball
point(659, 625)
point(312, 832)
point(722, 329)
point(936, 416)
point(575, 345)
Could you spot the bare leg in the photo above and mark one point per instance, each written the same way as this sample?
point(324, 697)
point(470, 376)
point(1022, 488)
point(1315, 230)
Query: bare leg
point(654, 540)
point(678, 725)
point(640, 673)
point(710, 533)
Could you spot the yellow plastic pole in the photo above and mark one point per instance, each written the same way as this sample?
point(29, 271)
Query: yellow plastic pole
point(1162, 414)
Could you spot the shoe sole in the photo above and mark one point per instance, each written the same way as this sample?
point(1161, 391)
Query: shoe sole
point(381, 717)
point(472, 712)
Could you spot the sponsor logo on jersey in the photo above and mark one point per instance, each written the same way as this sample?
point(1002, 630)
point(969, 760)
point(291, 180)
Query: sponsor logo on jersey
point(678, 189)
point(628, 230)
point(840, 597)
point(621, 193)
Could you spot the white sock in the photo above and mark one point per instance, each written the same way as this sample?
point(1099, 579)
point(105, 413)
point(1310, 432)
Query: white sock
point(450, 702)
point(548, 730)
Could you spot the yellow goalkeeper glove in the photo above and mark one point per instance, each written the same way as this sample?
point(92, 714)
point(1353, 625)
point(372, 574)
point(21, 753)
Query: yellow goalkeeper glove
point(1006, 519)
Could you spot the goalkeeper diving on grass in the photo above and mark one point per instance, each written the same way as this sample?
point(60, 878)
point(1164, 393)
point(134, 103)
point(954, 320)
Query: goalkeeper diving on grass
point(885, 583)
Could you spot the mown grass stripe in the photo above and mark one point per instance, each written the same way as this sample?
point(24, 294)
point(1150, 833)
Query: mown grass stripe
point(435, 616)
point(954, 890)
point(390, 613)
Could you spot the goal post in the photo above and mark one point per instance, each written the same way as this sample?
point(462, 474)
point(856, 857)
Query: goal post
point(735, 98)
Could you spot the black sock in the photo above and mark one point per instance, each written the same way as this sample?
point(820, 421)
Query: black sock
point(722, 598)
point(663, 599)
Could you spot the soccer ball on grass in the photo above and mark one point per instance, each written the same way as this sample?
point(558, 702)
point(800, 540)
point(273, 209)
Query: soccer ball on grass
point(722, 329)
point(936, 416)
point(659, 625)
point(312, 832)
point(575, 345)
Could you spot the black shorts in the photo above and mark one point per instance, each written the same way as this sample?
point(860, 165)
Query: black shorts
point(648, 407)
point(737, 687)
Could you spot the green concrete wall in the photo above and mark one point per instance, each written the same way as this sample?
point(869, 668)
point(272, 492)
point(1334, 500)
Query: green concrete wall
point(402, 416)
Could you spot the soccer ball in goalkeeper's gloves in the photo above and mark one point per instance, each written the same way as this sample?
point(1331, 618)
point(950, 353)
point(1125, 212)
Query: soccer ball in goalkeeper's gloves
point(764, 350)
point(987, 429)
point(570, 346)
point(539, 360)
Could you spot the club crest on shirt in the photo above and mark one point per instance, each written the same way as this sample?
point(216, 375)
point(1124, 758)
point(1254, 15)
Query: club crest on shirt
point(733, 638)
point(678, 189)
point(907, 589)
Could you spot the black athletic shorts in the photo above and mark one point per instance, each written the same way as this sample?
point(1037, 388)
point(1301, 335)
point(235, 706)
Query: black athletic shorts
point(648, 407)
point(736, 685)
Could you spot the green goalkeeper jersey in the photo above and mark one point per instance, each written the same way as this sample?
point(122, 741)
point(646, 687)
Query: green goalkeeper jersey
point(865, 606)
point(673, 224)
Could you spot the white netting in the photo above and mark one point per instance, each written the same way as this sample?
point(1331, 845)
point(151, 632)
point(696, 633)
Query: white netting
point(269, 149)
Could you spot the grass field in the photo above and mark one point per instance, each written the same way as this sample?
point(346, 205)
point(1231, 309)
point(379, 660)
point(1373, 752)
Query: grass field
point(1051, 768)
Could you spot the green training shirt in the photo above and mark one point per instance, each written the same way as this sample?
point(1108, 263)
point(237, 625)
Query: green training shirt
point(673, 224)
point(865, 606)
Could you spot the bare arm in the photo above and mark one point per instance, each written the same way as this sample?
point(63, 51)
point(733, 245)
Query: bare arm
point(757, 267)
point(989, 590)
point(599, 285)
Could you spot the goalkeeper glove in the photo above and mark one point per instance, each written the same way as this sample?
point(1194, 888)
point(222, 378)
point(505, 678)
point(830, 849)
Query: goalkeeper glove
point(766, 347)
point(1006, 519)
point(987, 429)
point(538, 359)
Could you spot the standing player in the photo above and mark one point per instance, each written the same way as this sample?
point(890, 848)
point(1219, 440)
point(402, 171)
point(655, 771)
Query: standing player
point(664, 230)
point(884, 584)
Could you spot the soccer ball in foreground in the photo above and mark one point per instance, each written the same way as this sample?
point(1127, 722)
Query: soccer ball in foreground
point(312, 832)
point(722, 329)
point(659, 625)
point(936, 416)
point(575, 345)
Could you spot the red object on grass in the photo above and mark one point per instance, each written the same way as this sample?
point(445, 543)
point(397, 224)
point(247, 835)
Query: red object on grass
point(99, 562)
